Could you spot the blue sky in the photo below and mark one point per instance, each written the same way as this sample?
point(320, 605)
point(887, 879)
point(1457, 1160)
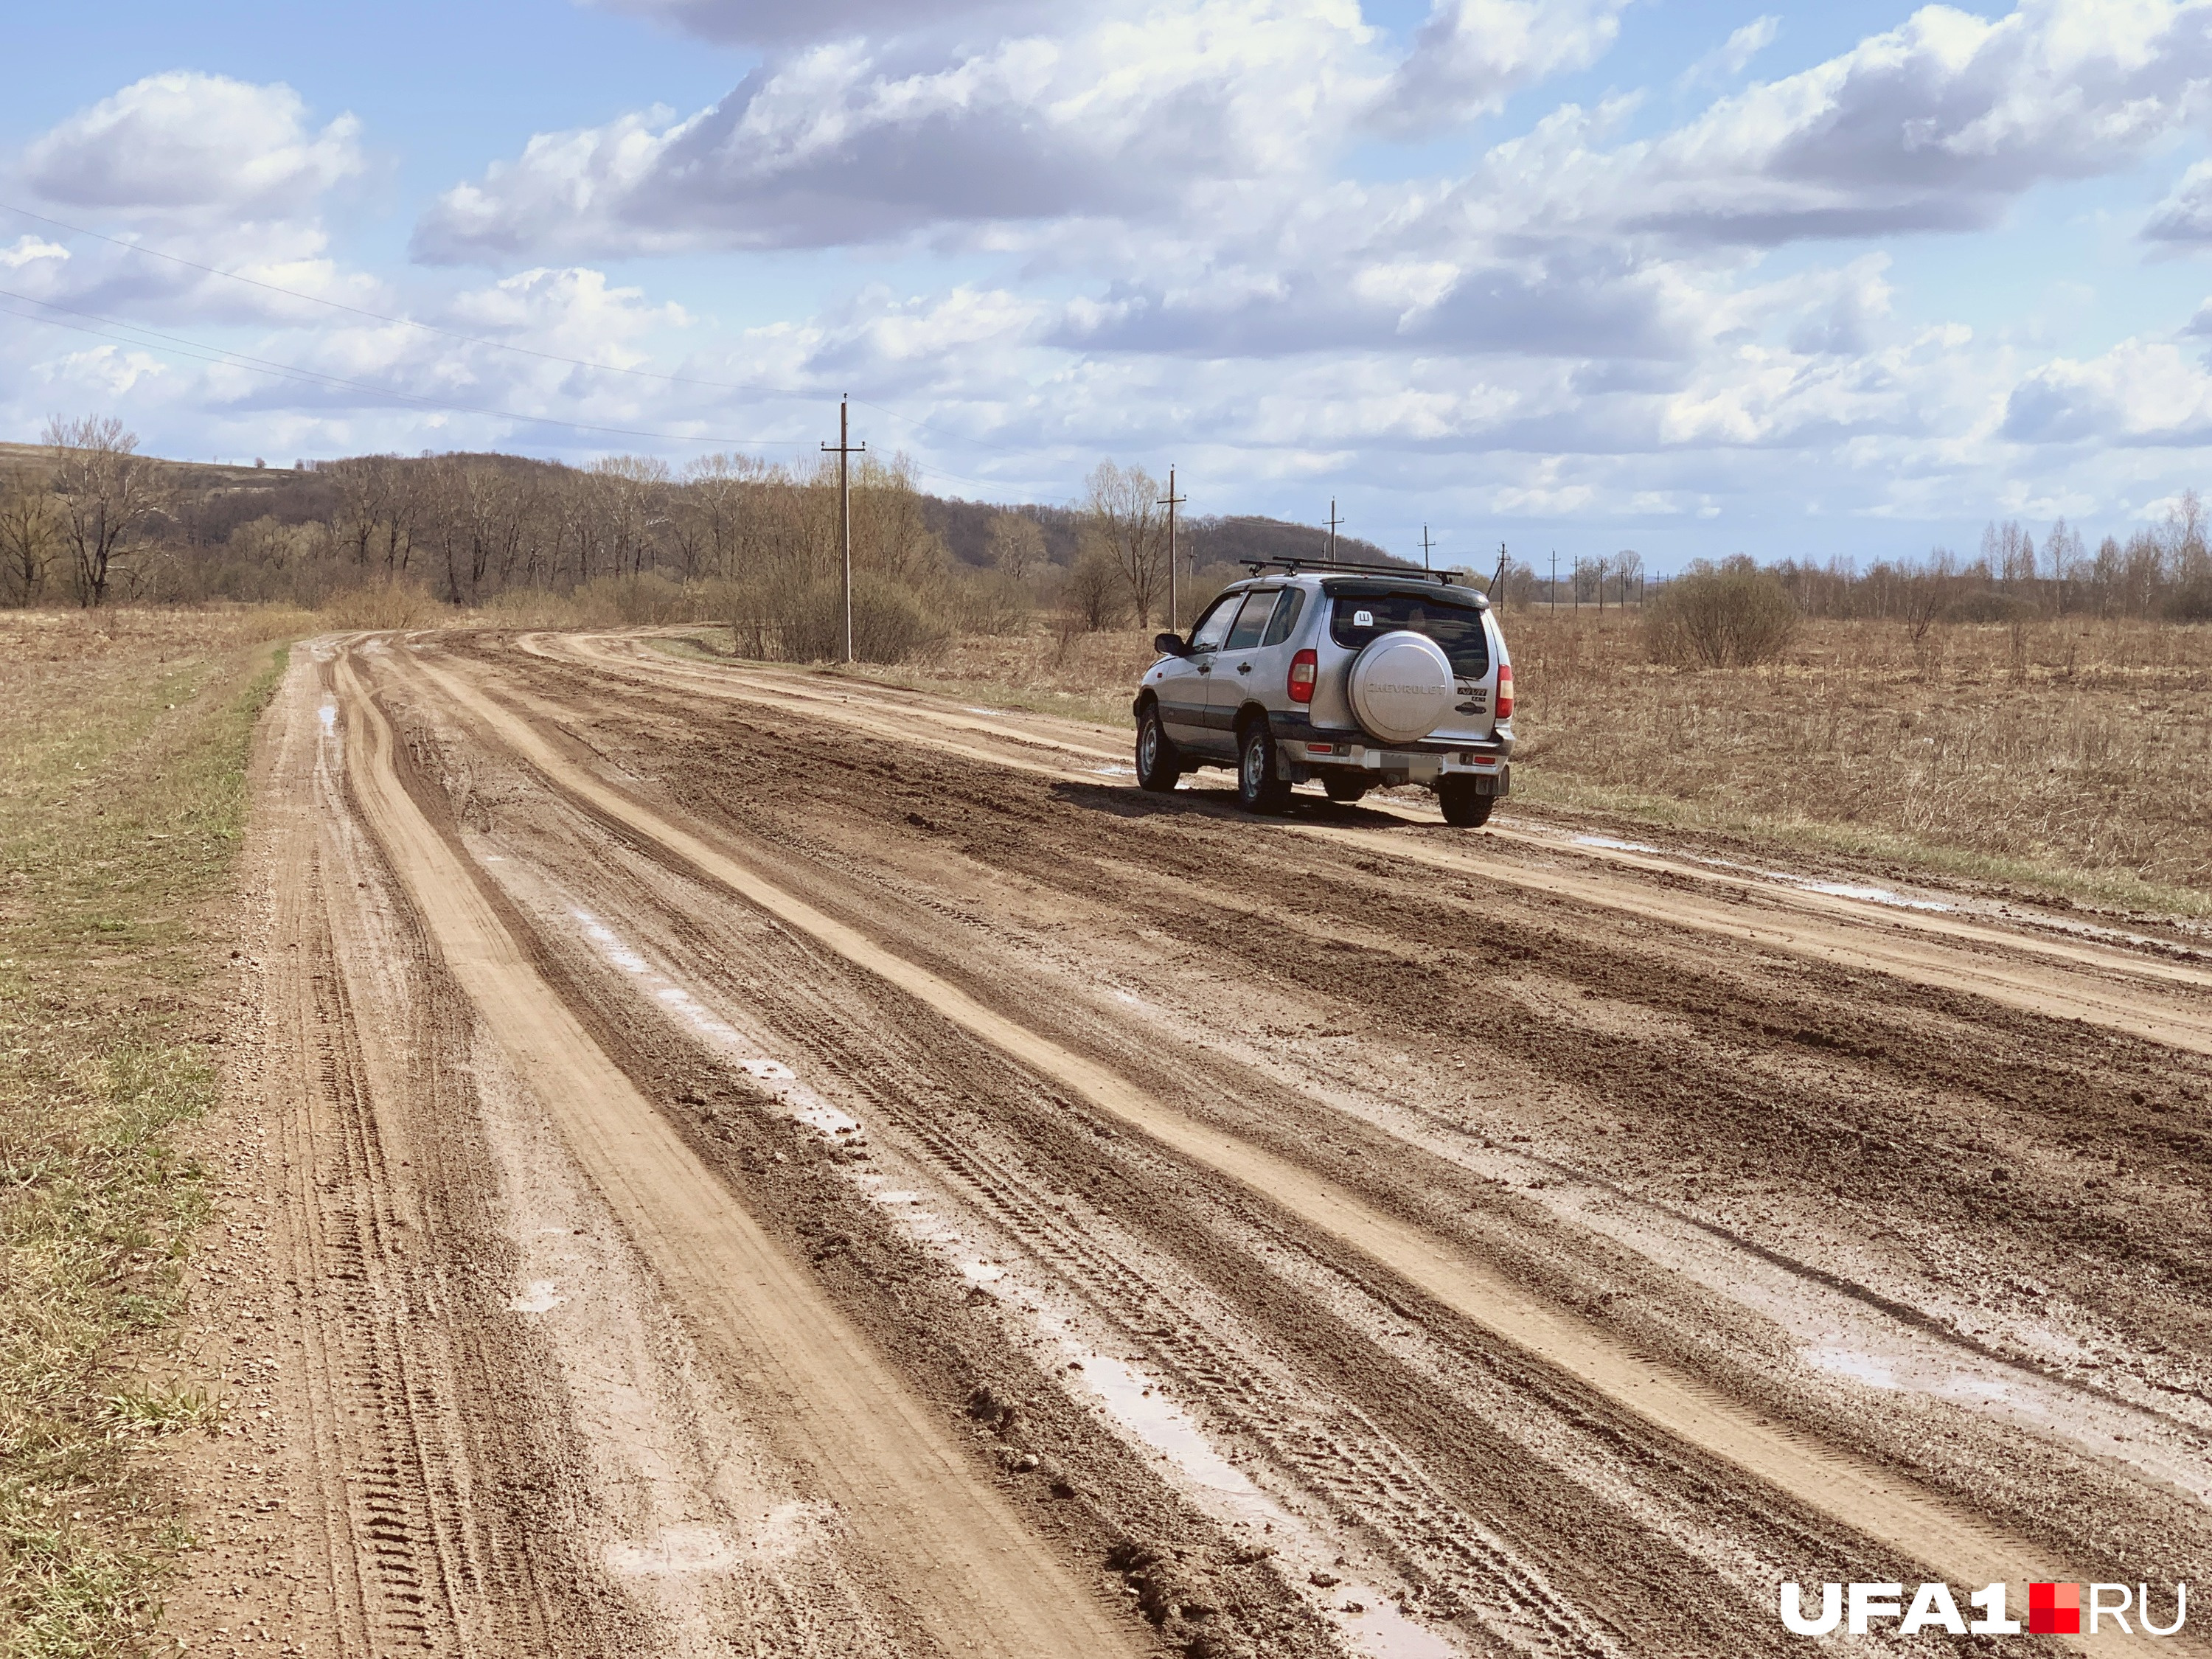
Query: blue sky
point(1683, 276)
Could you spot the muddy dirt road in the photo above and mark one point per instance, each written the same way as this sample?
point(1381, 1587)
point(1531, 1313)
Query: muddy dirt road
point(767, 1165)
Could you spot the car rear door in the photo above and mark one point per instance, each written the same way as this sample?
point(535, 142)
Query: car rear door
point(1255, 660)
point(1461, 628)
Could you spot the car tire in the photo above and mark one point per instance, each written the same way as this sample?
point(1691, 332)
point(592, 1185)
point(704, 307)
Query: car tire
point(1159, 763)
point(1260, 785)
point(1344, 791)
point(1463, 808)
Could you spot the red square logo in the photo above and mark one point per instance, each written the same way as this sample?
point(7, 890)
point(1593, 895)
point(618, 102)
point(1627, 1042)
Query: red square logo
point(2054, 1609)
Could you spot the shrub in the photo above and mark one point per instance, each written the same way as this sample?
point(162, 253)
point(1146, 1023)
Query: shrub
point(890, 624)
point(384, 605)
point(1095, 595)
point(1730, 616)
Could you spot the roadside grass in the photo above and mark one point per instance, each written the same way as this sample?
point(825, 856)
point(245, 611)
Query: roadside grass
point(2070, 756)
point(122, 800)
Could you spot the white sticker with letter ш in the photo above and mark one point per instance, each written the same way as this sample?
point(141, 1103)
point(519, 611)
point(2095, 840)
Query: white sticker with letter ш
point(1363, 619)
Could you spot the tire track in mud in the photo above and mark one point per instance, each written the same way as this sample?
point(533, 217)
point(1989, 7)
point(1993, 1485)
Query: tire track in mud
point(1940, 1077)
point(2070, 978)
point(1881, 1505)
point(968, 1574)
point(411, 1536)
point(1928, 1070)
point(1468, 1522)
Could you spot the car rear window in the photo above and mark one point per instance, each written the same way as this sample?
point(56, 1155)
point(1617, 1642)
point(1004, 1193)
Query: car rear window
point(1457, 628)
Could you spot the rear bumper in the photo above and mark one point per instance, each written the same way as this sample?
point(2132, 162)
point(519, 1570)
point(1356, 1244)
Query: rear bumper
point(1489, 770)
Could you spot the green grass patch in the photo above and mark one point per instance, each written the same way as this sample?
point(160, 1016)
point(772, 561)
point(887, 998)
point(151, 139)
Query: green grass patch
point(123, 799)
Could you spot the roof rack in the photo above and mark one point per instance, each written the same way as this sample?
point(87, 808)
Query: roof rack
point(1295, 562)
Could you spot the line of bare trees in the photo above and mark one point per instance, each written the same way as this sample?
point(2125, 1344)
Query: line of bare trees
point(76, 529)
point(2162, 572)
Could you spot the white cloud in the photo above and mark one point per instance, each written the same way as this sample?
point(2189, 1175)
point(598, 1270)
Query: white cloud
point(29, 250)
point(187, 142)
point(857, 142)
point(1471, 55)
point(1936, 124)
point(1172, 239)
point(1728, 59)
point(2185, 215)
point(2140, 392)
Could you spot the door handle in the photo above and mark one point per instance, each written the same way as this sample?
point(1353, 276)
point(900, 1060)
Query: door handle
point(1206, 668)
point(1243, 667)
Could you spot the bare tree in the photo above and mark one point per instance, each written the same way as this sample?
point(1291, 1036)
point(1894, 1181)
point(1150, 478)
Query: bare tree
point(107, 491)
point(1016, 544)
point(711, 518)
point(1628, 570)
point(628, 495)
point(1927, 595)
point(30, 536)
point(1122, 516)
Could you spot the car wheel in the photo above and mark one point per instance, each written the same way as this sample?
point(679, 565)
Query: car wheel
point(1463, 807)
point(1159, 764)
point(1347, 790)
point(1260, 786)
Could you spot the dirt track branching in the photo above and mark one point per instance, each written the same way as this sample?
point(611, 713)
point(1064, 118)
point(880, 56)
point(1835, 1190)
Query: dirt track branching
point(122, 798)
point(2068, 754)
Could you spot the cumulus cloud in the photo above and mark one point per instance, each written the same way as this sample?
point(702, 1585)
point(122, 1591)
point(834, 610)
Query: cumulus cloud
point(2140, 392)
point(1471, 55)
point(1937, 125)
point(2185, 215)
point(183, 141)
point(862, 142)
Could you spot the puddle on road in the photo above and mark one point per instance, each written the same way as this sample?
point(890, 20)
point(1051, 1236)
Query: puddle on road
point(1133, 1402)
point(1617, 846)
point(1833, 889)
point(1869, 895)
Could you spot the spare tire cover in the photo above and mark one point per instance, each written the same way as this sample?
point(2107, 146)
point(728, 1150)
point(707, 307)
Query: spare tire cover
point(1401, 686)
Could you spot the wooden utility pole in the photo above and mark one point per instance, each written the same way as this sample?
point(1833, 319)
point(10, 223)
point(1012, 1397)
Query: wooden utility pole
point(1424, 547)
point(1497, 582)
point(1334, 521)
point(845, 449)
point(1172, 501)
point(1555, 581)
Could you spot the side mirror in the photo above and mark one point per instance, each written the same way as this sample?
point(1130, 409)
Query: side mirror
point(1170, 645)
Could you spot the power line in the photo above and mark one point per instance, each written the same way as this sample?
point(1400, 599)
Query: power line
point(223, 357)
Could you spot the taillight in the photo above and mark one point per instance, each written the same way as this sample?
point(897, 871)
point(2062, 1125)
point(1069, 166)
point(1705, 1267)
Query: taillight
point(1504, 702)
point(1303, 667)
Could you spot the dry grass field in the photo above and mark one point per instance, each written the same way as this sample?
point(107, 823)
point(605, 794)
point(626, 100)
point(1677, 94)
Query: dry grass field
point(2075, 755)
point(122, 794)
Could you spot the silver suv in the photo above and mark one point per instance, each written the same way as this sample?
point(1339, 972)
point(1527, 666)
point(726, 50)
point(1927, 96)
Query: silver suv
point(1353, 675)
